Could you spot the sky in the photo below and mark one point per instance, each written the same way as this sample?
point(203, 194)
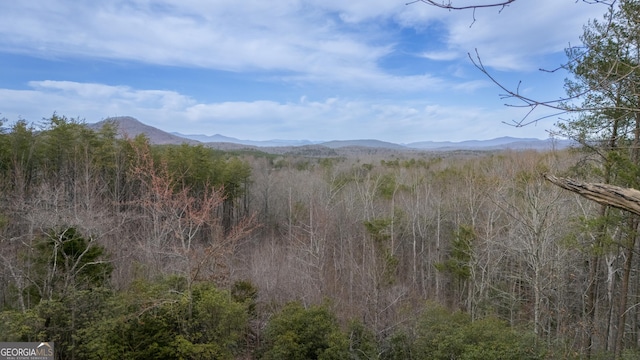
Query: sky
point(316, 70)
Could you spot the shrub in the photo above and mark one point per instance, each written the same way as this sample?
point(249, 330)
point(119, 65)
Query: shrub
point(304, 334)
point(445, 335)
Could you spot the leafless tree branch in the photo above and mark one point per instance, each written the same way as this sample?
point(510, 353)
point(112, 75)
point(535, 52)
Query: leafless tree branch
point(451, 5)
point(561, 105)
point(622, 198)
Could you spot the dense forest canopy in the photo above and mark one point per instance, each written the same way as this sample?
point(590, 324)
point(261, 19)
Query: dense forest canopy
point(116, 248)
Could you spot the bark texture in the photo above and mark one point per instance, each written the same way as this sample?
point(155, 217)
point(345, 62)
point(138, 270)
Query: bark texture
point(622, 198)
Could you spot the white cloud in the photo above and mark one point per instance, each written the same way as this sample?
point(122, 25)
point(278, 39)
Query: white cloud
point(274, 35)
point(84, 90)
point(336, 46)
point(312, 38)
point(518, 37)
point(440, 55)
point(325, 119)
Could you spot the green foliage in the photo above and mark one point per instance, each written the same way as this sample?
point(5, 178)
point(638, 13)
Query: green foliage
point(445, 335)
point(244, 292)
point(164, 320)
point(235, 176)
point(328, 163)
point(630, 354)
point(65, 262)
point(160, 320)
point(4, 151)
point(390, 268)
point(378, 229)
point(69, 152)
point(380, 232)
point(362, 342)
point(198, 167)
point(213, 324)
point(411, 163)
point(387, 186)
point(69, 276)
point(340, 180)
point(19, 154)
point(63, 168)
point(607, 76)
point(437, 333)
point(65, 143)
point(297, 333)
point(460, 254)
point(587, 228)
point(398, 346)
point(4, 221)
point(61, 321)
point(303, 165)
point(21, 326)
point(188, 166)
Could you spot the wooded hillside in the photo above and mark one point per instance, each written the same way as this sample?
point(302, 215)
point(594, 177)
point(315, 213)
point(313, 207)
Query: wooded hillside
point(114, 248)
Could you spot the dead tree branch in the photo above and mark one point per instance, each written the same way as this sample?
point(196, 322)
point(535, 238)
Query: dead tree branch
point(450, 5)
point(622, 198)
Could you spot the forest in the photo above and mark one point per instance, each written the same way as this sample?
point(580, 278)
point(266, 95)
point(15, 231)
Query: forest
point(116, 248)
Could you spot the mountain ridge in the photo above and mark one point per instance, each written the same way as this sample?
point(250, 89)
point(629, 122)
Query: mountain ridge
point(259, 143)
point(130, 127)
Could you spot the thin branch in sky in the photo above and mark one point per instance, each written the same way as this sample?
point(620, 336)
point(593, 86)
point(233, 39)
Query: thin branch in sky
point(449, 5)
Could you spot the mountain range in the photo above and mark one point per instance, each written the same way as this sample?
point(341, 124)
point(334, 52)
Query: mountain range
point(131, 127)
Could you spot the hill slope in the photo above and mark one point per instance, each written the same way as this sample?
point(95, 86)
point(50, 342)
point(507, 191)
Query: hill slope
point(132, 127)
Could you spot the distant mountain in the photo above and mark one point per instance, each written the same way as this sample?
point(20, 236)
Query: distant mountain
point(337, 144)
point(264, 143)
point(501, 143)
point(467, 144)
point(132, 127)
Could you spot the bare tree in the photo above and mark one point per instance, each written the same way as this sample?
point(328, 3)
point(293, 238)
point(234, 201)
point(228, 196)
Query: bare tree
point(184, 233)
point(536, 208)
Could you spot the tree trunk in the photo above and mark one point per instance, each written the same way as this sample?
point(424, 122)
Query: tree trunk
point(622, 198)
point(622, 309)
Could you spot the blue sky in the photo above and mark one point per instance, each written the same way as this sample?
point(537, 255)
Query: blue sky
point(285, 69)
